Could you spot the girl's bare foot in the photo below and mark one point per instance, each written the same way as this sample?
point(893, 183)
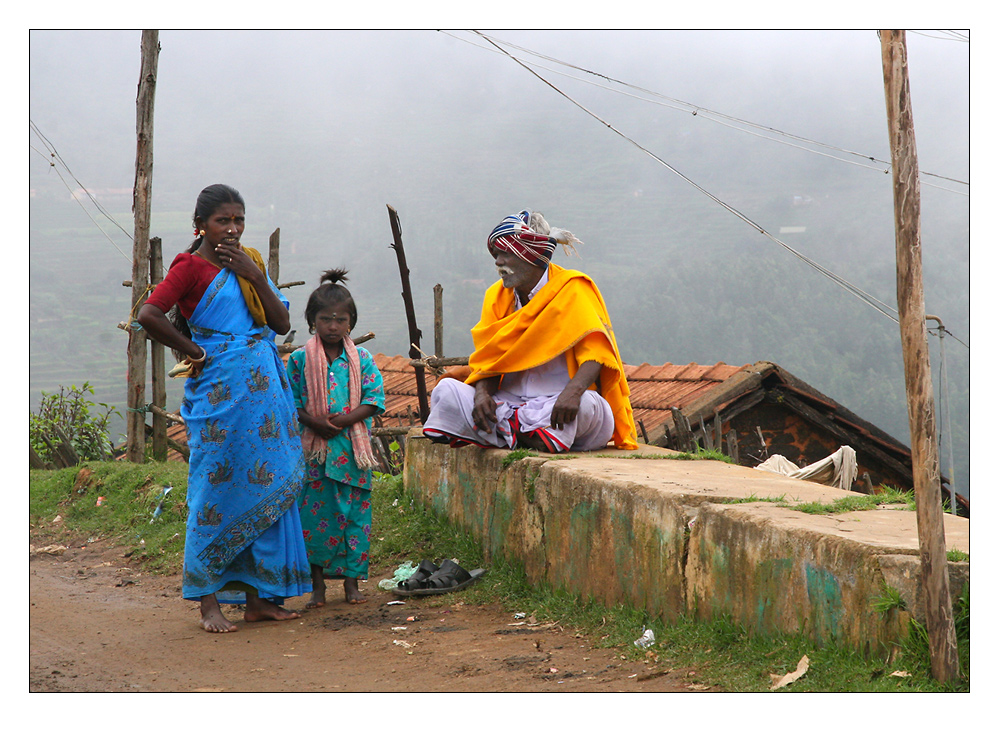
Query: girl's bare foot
point(212, 619)
point(318, 599)
point(352, 593)
point(319, 588)
point(260, 609)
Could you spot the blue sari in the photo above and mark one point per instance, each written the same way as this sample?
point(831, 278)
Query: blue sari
point(246, 466)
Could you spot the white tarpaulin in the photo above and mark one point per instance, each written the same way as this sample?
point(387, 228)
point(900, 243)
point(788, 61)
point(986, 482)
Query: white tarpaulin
point(838, 469)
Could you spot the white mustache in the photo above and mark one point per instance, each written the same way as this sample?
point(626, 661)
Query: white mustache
point(504, 271)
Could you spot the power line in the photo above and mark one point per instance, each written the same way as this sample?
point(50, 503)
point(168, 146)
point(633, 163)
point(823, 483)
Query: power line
point(950, 35)
point(727, 120)
point(73, 195)
point(54, 155)
point(881, 307)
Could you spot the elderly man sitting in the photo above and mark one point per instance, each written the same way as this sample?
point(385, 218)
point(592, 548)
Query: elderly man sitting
point(546, 373)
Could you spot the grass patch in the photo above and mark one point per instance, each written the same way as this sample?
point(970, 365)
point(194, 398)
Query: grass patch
point(700, 454)
point(859, 502)
point(957, 555)
point(753, 498)
point(518, 455)
point(888, 599)
point(129, 495)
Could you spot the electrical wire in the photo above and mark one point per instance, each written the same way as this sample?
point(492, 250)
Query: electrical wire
point(726, 120)
point(880, 306)
point(52, 165)
point(54, 155)
point(952, 35)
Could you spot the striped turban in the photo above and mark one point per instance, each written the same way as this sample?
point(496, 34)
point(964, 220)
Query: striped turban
point(528, 236)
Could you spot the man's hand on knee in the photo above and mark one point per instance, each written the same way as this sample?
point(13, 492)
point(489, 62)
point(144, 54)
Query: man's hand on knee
point(484, 409)
point(566, 408)
point(567, 405)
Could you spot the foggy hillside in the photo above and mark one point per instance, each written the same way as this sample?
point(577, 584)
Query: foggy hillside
point(321, 130)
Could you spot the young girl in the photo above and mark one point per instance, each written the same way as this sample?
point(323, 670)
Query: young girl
point(337, 389)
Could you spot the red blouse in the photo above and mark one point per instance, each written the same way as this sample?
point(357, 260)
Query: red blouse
point(185, 283)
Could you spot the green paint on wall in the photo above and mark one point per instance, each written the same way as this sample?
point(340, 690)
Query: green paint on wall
point(825, 604)
point(471, 503)
point(442, 495)
point(771, 580)
point(582, 528)
point(500, 519)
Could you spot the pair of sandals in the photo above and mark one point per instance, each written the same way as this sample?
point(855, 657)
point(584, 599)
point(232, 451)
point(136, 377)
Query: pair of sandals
point(431, 579)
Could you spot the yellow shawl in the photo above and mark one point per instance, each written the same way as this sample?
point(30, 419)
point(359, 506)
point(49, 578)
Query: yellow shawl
point(250, 293)
point(568, 316)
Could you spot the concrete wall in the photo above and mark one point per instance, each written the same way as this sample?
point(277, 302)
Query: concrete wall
point(658, 535)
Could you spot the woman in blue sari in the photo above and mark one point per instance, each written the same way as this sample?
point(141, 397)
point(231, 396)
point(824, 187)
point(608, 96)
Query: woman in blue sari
point(244, 538)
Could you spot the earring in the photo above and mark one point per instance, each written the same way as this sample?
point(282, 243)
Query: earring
point(201, 233)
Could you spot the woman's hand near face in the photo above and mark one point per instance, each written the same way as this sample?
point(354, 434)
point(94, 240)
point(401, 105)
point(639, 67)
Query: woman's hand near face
point(232, 256)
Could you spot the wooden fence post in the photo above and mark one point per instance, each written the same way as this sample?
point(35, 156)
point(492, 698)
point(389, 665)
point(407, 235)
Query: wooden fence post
point(411, 317)
point(272, 255)
point(141, 191)
point(732, 443)
point(157, 366)
point(916, 362)
point(682, 427)
point(438, 321)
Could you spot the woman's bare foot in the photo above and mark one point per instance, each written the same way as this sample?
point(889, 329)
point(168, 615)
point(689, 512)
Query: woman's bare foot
point(319, 588)
point(352, 593)
point(212, 619)
point(260, 609)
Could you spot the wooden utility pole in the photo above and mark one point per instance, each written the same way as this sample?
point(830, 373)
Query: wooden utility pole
point(916, 362)
point(141, 191)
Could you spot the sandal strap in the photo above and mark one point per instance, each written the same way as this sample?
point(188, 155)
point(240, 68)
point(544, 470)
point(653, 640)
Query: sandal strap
point(416, 580)
point(449, 575)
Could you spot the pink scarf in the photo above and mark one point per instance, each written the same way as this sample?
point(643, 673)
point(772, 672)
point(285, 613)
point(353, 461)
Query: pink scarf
point(318, 403)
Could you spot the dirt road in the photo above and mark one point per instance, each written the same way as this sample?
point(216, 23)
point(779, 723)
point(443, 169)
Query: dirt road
point(97, 625)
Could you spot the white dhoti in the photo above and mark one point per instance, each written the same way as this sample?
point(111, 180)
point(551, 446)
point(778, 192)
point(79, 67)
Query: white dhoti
point(524, 404)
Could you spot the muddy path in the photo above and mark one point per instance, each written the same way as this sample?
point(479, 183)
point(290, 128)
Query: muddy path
point(98, 625)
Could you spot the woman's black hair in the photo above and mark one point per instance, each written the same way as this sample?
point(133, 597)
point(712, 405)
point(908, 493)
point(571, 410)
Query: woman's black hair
point(210, 199)
point(330, 293)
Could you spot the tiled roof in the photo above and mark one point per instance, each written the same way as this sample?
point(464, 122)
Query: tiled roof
point(657, 388)
point(400, 386)
point(178, 432)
